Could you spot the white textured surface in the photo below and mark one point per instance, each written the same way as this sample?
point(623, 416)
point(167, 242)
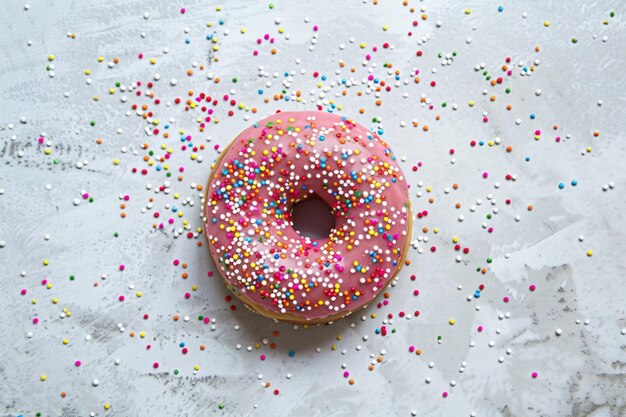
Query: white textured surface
point(581, 372)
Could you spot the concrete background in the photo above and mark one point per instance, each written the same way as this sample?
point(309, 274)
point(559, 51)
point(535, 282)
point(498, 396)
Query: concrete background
point(581, 372)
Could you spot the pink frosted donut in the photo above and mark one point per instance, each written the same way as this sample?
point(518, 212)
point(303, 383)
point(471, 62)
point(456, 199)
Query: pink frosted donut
point(282, 160)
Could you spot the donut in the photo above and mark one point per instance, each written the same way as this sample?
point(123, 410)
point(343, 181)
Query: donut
point(288, 158)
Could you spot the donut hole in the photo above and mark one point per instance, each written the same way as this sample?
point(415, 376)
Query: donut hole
point(313, 218)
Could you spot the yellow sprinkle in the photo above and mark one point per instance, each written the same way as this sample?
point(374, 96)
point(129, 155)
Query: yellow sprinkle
point(451, 322)
point(589, 252)
point(43, 378)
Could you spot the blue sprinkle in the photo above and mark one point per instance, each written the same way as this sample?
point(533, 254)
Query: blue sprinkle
point(561, 185)
point(574, 183)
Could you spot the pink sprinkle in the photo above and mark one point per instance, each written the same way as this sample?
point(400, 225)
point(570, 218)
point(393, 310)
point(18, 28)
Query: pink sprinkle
point(534, 375)
point(176, 262)
point(122, 267)
point(445, 394)
point(480, 329)
point(411, 348)
point(187, 295)
point(346, 374)
point(155, 365)
point(23, 292)
point(532, 287)
point(183, 10)
point(121, 297)
point(416, 292)
point(315, 28)
point(77, 363)
point(485, 174)
point(262, 357)
point(35, 320)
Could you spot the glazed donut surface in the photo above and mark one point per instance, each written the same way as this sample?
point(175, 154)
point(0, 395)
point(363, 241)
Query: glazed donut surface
point(282, 160)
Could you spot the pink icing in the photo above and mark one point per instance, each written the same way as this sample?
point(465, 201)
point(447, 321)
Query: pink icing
point(280, 161)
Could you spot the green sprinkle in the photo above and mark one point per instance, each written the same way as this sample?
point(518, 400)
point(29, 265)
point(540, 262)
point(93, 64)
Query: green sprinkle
point(221, 406)
point(489, 260)
point(71, 277)
point(92, 123)
point(574, 40)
